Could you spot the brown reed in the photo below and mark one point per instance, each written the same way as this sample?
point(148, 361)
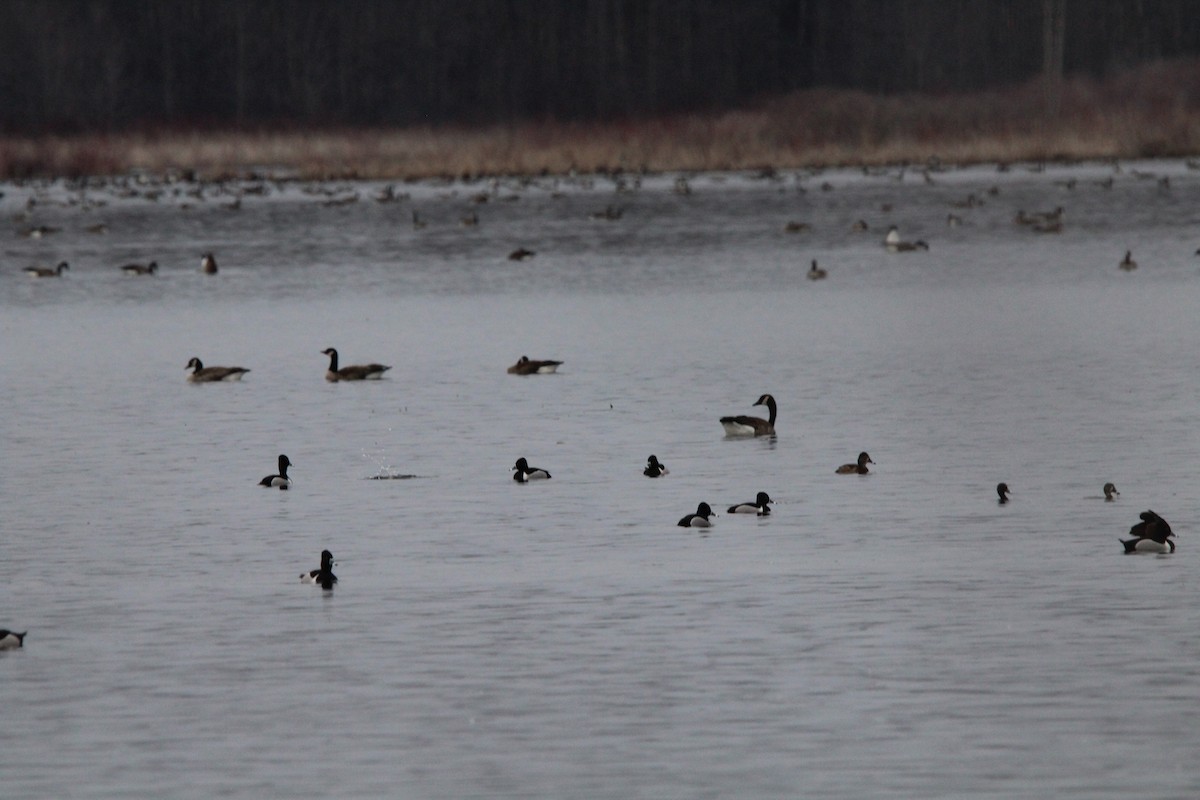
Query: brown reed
point(1150, 111)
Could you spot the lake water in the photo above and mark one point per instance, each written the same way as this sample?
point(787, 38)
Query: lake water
point(897, 635)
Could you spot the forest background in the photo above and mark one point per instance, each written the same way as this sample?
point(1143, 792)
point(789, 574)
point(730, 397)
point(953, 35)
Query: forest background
point(419, 88)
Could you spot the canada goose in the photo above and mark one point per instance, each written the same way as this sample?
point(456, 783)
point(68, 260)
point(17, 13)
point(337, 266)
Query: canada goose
point(525, 366)
point(1151, 535)
point(760, 506)
point(208, 264)
point(1127, 263)
point(752, 426)
point(859, 468)
point(521, 254)
point(140, 269)
point(894, 244)
point(281, 480)
point(698, 520)
point(1002, 490)
point(356, 372)
point(203, 374)
point(654, 469)
point(816, 273)
point(46, 272)
point(524, 473)
point(11, 640)
point(1109, 491)
point(324, 576)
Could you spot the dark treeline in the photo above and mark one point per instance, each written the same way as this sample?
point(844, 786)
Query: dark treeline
point(117, 64)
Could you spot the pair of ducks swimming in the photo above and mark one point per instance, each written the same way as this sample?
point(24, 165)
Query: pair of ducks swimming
point(704, 513)
point(354, 372)
point(1003, 491)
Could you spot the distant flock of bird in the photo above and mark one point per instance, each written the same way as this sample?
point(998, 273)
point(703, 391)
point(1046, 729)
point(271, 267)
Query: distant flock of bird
point(1151, 535)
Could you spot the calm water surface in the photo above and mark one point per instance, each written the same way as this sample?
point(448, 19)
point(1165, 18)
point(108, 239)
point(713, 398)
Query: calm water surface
point(895, 635)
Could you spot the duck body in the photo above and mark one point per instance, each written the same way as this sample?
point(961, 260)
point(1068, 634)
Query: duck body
point(761, 506)
point(526, 366)
point(654, 469)
point(208, 264)
point(324, 576)
point(816, 273)
point(281, 481)
point(11, 640)
point(47, 272)
point(859, 468)
point(1127, 263)
point(203, 374)
point(140, 269)
point(523, 473)
point(752, 426)
point(521, 254)
point(1152, 535)
point(698, 520)
point(1003, 492)
point(355, 372)
point(894, 244)
point(1109, 491)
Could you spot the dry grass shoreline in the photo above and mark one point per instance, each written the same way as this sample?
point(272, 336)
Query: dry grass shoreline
point(1152, 111)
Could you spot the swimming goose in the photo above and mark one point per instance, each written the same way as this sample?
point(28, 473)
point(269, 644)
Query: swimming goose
point(140, 269)
point(525, 366)
point(208, 264)
point(856, 469)
point(698, 520)
point(1002, 490)
point(356, 372)
point(524, 473)
point(752, 426)
point(760, 506)
point(324, 576)
point(816, 273)
point(1151, 535)
point(46, 272)
point(894, 244)
point(11, 640)
point(654, 469)
point(1109, 491)
point(281, 480)
point(1127, 263)
point(203, 374)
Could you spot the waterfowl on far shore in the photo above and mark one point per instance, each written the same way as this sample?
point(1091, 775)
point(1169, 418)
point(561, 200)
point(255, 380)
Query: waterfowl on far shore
point(11, 640)
point(281, 480)
point(701, 519)
point(1127, 263)
point(1002, 490)
point(208, 264)
point(654, 469)
point(527, 366)
point(355, 372)
point(1151, 535)
point(523, 473)
point(760, 506)
point(859, 468)
point(1109, 491)
point(894, 244)
point(816, 273)
point(140, 269)
point(203, 374)
point(324, 576)
point(752, 426)
point(47, 272)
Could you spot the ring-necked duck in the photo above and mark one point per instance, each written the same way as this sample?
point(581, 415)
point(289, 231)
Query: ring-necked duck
point(698, 520)
point(527, 366)
point(1002, 490)
point(1151, 535)
point(654, 469)
point(11, 640)
point(281, 480)
point(523, 472)
point(324, 576)
point(856, 469)
point(760, 506)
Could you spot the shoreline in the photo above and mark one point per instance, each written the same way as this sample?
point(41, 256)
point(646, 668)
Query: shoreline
point(1150, 112)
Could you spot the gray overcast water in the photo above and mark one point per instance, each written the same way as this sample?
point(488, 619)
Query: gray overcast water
point(897, 635)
